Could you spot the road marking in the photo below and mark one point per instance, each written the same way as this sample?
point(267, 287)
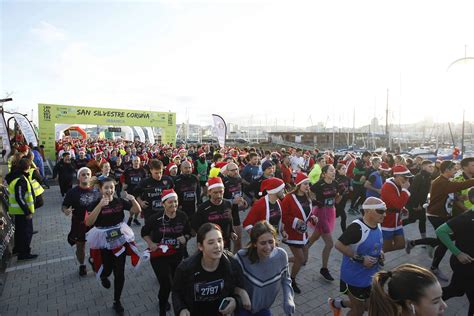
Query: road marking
point(38, 264)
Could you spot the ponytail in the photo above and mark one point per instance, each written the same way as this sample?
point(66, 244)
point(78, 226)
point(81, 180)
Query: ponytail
point(380, 303)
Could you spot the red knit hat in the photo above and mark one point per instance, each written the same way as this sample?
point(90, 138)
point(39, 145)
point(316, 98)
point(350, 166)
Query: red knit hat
point(166, 194)
point(400, 170)
point(272, 186)
point(300, 178)
point(214, 183)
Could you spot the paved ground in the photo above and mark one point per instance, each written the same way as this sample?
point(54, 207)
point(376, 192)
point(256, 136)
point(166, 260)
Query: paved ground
point(50, 285)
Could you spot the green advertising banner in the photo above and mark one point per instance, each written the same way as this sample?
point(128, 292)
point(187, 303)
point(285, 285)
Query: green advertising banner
point(51, 114)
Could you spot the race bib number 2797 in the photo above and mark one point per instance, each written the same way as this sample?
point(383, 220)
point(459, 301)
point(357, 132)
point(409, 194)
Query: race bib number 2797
point(208, 291)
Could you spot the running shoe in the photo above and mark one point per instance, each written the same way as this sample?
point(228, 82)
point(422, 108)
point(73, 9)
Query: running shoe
point(118, 307)
point(326, 275)
point(408, 246)
point(82, 270)
point(105, 282)
point(335, 311)
point(439, 274)
point(295, 287)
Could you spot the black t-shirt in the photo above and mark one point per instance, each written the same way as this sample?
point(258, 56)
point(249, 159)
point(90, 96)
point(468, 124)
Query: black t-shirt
point(325, 193)
point(233, 188)
point(305, 203)
point(117, 171)
point(463, 227)
point(79, 163)
point(218, 214)
point(208, 291)
point(150, 190)
point(188, 189)
point(113, 213)
point(353, 233)
point(165, 230)
point(275, 214)
point(343, 184)
point(133, 177)
point(81, 200)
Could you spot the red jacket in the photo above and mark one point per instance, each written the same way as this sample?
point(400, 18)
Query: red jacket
point(291, 213)
point(260, 211)
point(286, 174)
point(395, 199)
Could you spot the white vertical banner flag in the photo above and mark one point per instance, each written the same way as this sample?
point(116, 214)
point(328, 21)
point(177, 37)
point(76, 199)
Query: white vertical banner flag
point(5, 136)
point(26, 129)
point(128, 131)
point(151, 137)
point(220, 129)
point(140, 133)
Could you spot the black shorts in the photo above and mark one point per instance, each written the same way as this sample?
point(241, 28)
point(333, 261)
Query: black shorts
point(299, 246)
point(77, 233)
point(235, 215)
point(360, 293)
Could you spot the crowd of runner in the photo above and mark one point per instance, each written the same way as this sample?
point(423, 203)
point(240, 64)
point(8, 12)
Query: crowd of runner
point(287, 195)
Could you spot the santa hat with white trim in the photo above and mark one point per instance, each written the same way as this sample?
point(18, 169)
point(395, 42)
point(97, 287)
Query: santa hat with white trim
point(272, 186)
point(166, 194)
point(214, 183)
point(300, 178)
point(384, 167)
point(400, 170)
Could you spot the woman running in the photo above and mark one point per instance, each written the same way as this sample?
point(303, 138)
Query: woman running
point(296, 213)
point(111, 237)
point(265, 267)
point(210, 282)
point(327, 196)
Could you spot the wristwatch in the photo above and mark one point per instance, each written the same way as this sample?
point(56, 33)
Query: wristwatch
point(358, 259)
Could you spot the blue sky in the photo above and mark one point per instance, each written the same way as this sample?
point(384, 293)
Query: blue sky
point(254, 62)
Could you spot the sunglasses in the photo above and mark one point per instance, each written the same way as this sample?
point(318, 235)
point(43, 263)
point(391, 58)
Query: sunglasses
point(381, 212)
point(232, 169)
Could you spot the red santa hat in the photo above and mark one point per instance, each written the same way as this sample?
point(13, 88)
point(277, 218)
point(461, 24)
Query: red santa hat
point(220, 164)
point(170, 166)
point(214, 183)
point(177, 157)
point(300, 178)
point(166, 194)
point(384, 167)
point(400, 170)
point(182, 150)
point(201, 153)
point(272, 186)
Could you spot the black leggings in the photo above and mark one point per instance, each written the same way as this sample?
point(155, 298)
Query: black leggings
point(164, 268)
point(441, 249)
point(341, 211)
point(419, 216)
point(117, 265)
point(461, 283)
point(358, 196)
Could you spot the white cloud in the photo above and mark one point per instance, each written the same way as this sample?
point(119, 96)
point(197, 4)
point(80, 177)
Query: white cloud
point(48, 33)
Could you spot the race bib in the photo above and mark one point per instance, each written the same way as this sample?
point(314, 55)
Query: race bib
point(156, 204)
point(171, 242)
point(329, 202)
point(135, 180)
point(301, 227)
point(209, 291)
point(113, 234)
point(189, 196)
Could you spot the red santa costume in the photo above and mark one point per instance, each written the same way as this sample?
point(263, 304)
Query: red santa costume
point(262, 209)
point(293, 212)
point(395, 198)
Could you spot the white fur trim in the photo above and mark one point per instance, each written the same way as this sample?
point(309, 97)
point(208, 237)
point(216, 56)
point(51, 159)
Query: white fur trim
point(276, 190)
point(215, 185)
point(169, 195)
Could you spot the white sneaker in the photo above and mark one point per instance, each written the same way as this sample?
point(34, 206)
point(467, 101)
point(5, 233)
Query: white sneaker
point(439, 274)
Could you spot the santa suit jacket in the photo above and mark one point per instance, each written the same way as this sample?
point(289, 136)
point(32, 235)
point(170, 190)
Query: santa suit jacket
point(292, 211)
point(395, 199)
point(260, 211)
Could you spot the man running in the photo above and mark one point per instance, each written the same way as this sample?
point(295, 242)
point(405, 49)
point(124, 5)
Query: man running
point(79, 200)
